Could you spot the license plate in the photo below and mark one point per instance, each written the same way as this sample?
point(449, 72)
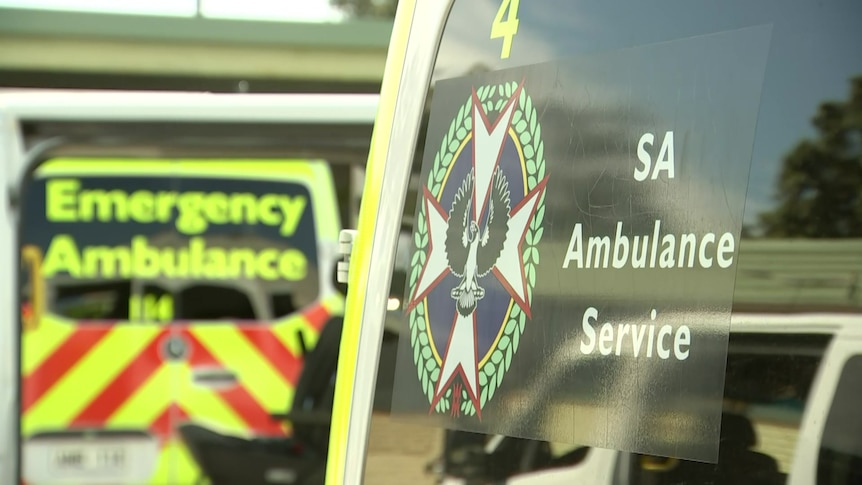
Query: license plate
point(89, 459)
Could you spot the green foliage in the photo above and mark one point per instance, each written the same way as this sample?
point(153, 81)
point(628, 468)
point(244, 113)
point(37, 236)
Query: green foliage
point(819, 190)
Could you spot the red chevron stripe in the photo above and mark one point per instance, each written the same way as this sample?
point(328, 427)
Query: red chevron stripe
point(237, 397)
point(124, 386)
point(64, 358)
point(164, 425)
point(316, 316)
point(287, 364)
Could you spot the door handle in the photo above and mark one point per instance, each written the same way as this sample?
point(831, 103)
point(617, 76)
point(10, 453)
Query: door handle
point(214, 378)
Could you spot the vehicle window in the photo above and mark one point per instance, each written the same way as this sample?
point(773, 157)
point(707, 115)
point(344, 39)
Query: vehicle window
point(840, 461)
point(161, 248)
point(798, 252)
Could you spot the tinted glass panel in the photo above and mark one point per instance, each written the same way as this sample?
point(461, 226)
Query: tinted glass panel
point(801, 247)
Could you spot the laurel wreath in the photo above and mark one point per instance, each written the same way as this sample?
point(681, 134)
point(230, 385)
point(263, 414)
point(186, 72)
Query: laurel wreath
point(529, 132)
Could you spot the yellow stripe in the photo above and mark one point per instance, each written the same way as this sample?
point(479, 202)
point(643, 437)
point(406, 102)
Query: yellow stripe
point(288, 333)
point(39, 344)
point(149, 401)
point(348, 353)
point(334, 304)
point(175, 465)
point(187, 470)
point(203, 406)
point(247, 168)
point(255, 373)
point(88, 378)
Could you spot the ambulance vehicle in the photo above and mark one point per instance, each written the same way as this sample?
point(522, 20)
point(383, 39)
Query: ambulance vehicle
point(176, 254)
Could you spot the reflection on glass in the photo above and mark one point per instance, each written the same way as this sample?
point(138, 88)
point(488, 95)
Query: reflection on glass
point(796, 298)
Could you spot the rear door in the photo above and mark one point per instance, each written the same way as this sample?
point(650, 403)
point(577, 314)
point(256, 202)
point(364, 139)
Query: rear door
point(95, 383)
point(264, 292)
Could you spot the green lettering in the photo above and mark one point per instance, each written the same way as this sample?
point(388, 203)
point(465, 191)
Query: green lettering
point(216, 208)
point(103, 205)
point(146, 258)
point(107, 262)
point(60, 199)
point(292, 265)
point(62, 257)
point(242, 257)
point(165, 206)
point(292, 208)
point(266, 210)
point(142, 206)
point(266, 264)
point(196, 256)
point(215, 264)
point(191, 220)
point(243, 209)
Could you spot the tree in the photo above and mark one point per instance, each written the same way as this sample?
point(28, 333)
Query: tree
point(819, 189)
point(367, 8)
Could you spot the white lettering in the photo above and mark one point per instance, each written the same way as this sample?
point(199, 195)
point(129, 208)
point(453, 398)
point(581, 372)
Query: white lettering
point(615, 338)
point(643, 156)
point(725, 247)
point(649, 250)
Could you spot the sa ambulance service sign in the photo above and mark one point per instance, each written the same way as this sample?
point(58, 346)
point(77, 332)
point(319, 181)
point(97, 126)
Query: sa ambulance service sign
point(575, 243)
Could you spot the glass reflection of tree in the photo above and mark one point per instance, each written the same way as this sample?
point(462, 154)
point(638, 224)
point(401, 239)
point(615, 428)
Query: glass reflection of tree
point(820, 185)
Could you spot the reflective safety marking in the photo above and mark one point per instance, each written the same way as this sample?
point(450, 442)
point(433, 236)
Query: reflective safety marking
point(283, 360)
point(53, 368)
point(37, 345)
point(125, 384)
point(148, 401)
point(86, 379)
point(252, 369)
point(175, 465)
point(205, 406)
point(165, 424)
point(288, 333)
point(238, 398)
point(317, 316)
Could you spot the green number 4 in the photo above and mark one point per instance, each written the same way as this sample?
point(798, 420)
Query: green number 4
point(506, 29)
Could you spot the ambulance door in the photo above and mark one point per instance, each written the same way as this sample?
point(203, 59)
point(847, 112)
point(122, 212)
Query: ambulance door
point(243, 323)
point(95, 380)
point(596, 127)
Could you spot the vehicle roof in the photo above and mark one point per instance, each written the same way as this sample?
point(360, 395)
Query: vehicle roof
point(810, 323)
point(88, 105)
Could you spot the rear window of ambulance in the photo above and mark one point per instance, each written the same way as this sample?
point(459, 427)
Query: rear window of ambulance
point(155, 248)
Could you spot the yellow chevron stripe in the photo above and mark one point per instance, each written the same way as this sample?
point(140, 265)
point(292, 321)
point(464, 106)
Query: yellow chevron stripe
point(203, 405)
point(148, 402)
point(334, 304)
point(186, 467)
point(175, 465)
point(88, 378)
point(288, 333)
point(37, 345)
point(256, 374)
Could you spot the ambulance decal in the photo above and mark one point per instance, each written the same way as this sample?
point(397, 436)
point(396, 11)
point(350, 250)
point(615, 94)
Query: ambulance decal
point(477, 233)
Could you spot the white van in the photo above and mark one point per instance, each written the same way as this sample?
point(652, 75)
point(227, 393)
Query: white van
point(790, 416)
